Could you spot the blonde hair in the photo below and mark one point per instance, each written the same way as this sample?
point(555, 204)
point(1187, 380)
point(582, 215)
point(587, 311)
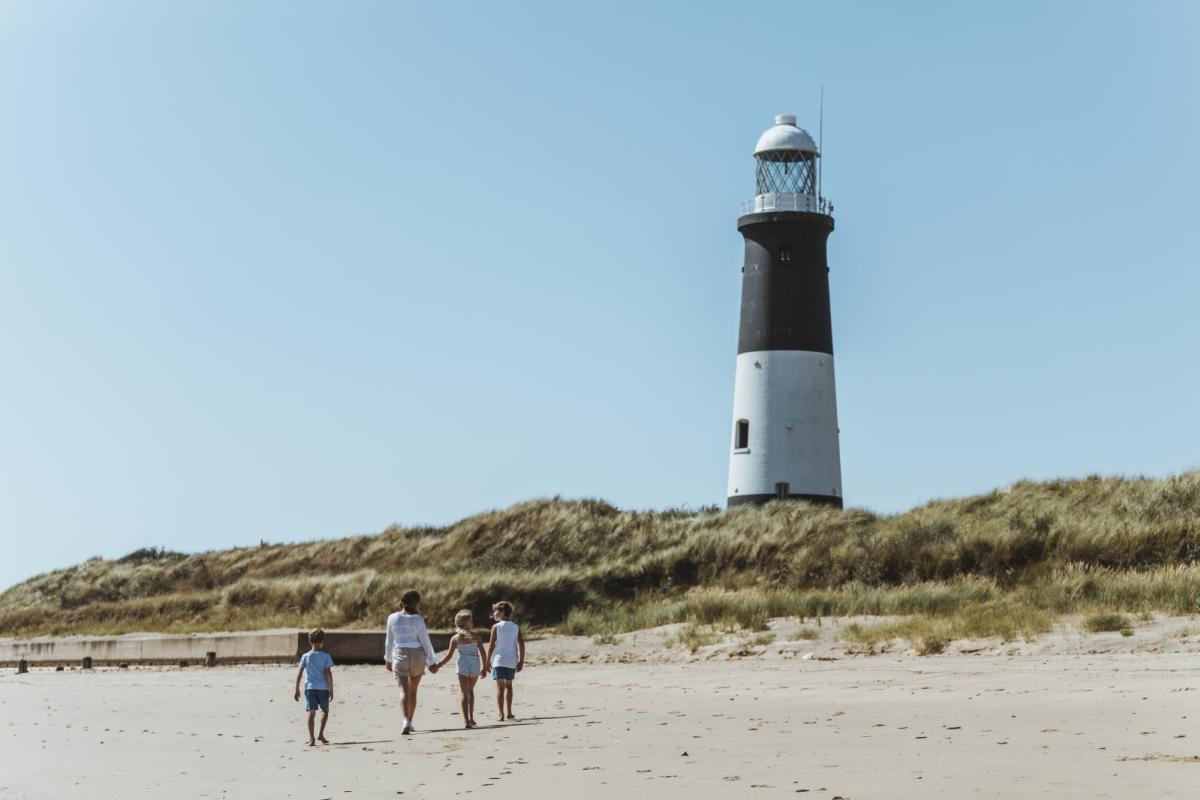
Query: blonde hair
point(464, 615)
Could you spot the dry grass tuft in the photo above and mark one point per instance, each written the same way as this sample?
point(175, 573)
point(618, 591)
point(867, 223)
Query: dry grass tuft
point(693, 637)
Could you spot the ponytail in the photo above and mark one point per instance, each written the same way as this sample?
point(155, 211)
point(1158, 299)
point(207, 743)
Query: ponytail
point(409, 599)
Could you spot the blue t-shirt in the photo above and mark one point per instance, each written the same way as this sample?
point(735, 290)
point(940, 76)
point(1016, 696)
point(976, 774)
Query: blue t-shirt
point(315, 662)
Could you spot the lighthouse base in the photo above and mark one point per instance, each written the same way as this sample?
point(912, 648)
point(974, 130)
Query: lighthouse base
point(761, 499)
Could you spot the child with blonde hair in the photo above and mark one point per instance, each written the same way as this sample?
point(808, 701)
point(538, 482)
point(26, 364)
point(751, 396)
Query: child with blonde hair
point(467, 645)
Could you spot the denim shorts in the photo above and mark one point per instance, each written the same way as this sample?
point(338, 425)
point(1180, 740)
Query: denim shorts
point(503, 673)
point(316, 697)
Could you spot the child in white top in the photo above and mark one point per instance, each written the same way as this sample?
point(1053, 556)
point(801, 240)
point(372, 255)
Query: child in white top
point(506, 654)
point(466, 644)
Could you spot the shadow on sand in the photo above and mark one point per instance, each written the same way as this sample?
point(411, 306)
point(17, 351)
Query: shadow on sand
point(509, 724)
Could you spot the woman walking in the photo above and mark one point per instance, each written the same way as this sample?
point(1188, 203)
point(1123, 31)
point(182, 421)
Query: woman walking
point(407, 651)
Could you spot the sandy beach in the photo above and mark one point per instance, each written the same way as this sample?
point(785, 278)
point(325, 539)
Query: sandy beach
point(884, 726)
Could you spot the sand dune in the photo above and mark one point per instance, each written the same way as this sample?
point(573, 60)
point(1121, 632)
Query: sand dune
point(887, 726)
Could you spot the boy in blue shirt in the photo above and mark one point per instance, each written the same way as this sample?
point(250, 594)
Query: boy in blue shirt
point(317, 667)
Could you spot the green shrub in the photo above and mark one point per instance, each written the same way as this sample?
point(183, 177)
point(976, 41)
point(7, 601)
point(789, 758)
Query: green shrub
point(1098, 623)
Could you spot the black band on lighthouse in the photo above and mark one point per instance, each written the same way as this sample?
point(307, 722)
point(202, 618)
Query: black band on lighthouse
point(785, 283)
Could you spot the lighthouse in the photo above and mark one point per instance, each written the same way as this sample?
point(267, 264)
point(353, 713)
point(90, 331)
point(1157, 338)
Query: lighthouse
point(784, 436)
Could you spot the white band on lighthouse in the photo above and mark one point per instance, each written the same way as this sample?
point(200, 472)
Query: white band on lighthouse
point(785, 408)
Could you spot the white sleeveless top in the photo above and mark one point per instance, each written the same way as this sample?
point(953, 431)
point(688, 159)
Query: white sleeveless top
point(505, 654)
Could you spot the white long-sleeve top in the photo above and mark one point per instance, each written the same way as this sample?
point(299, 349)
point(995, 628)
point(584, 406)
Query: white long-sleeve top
point(408, 630)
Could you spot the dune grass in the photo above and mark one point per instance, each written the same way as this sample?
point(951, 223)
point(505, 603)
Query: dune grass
point(693, 637)
point(1005, 564)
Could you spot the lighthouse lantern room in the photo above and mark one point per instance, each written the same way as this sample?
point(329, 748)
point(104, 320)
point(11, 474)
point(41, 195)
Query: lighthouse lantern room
point(784, 437)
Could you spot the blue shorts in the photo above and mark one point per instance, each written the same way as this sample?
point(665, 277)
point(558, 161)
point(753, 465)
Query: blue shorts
point(316, 697)
point(503, 673)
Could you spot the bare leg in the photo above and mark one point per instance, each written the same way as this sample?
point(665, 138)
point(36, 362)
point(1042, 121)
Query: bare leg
point(311, 715)
point(465, 688)
point(405, 689)
point(471, 700)
point(500, 698)
point(413, 683)
point(508, 690)
point(321, 734)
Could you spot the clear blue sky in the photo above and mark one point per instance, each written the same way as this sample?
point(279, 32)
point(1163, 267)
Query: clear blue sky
point(298, 270)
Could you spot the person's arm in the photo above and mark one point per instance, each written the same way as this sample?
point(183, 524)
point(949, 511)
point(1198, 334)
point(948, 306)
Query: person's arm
point(387, 645)
point(299, 674)
point(450, 652)
point(329, 678)
point(483, 662)
point(491, 644)
point(521, 649)
point(423, 638)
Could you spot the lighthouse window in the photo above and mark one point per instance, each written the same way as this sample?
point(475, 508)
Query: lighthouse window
point(785, 252)
point(741, 439)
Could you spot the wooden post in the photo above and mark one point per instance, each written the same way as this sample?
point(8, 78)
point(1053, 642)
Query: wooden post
point(22, 667)
point(87, 662)
point(210, 658)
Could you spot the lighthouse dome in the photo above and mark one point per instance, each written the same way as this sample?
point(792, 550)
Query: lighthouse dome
point(784, 135)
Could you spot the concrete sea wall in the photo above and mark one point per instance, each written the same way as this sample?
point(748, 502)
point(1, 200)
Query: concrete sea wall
point(282, 645)
point(243, 647)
